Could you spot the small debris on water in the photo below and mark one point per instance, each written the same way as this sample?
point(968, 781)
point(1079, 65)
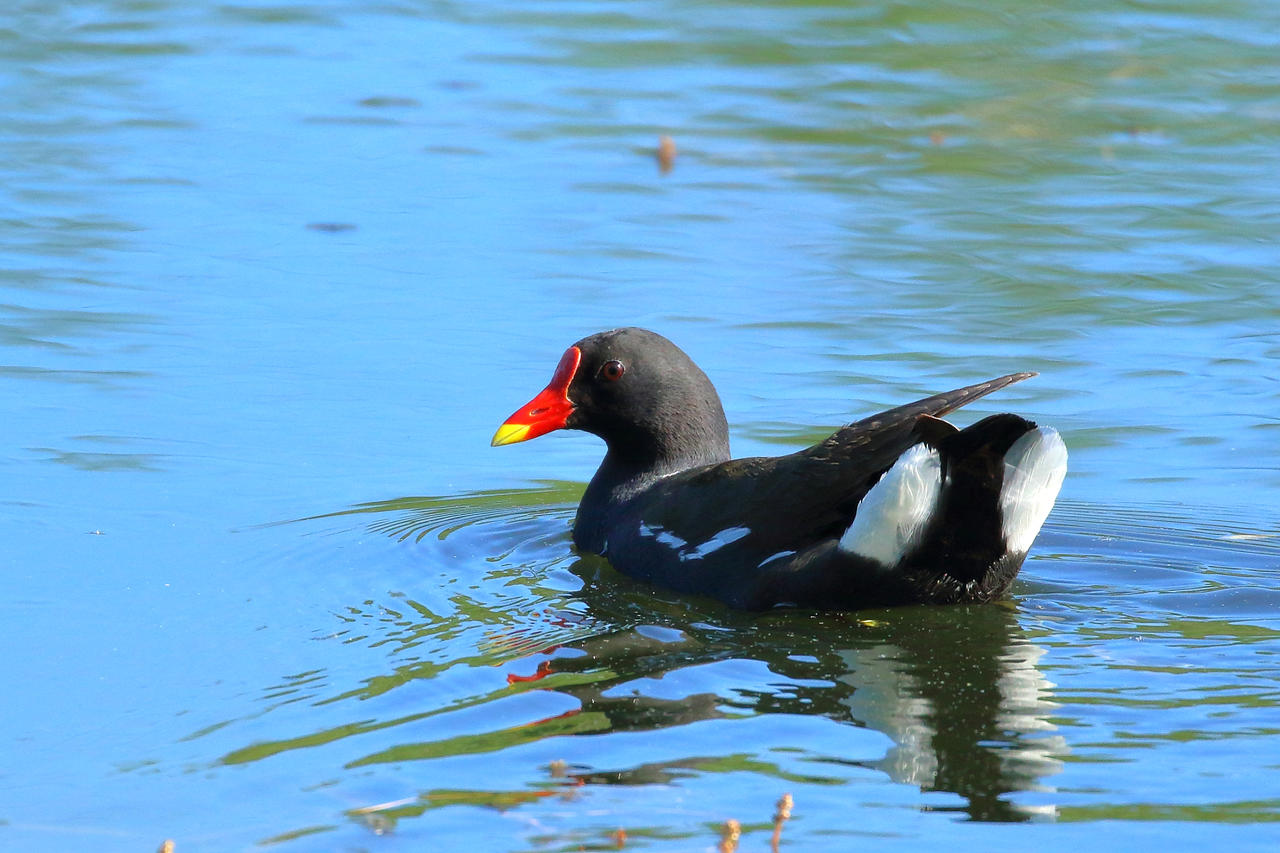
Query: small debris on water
point(729, 836)
point(666, 154)
point(375, 819)
point(330, 227)
point(781, 816)
point(379, 101)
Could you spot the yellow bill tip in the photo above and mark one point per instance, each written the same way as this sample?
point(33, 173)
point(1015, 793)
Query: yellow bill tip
point(509, 434)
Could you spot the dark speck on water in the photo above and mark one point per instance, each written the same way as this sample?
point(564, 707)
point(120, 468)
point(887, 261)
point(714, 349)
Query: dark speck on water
point(871, 203)
point(385, 101)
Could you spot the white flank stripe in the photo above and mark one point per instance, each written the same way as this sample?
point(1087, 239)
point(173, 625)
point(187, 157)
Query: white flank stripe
point(893, 515)
point(667, 538)
point(715, 543)
point(687, 551)
point(1033, 472)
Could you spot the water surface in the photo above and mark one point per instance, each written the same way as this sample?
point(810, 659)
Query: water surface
point(270, 275)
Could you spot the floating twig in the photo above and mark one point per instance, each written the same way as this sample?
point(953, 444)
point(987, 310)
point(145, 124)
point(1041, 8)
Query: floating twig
point(781, 816)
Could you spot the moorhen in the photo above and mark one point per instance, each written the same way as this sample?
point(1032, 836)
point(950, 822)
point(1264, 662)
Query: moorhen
point(899, 507)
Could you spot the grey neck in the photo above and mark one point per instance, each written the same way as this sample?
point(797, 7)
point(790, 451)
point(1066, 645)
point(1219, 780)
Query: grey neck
point(623, 475)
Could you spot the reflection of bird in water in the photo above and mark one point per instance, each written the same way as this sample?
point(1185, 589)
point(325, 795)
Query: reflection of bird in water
point(956, 688)
point(971, 722)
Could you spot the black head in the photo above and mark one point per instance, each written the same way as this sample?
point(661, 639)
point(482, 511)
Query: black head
point(639, 392)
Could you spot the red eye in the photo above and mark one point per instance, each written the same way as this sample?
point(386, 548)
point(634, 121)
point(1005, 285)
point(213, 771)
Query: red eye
point(612, 370)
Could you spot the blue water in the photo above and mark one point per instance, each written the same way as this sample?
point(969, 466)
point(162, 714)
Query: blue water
point(270, 276)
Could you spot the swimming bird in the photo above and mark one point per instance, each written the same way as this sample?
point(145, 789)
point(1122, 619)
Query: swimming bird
point(896, 508)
